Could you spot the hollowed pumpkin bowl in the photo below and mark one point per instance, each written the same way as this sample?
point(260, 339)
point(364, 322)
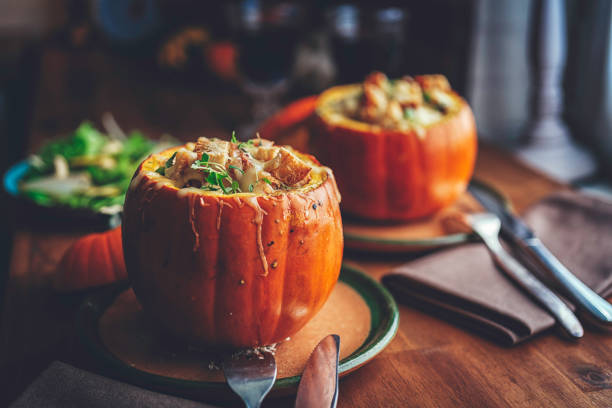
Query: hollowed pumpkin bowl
point(238, 270)
point(389, 174)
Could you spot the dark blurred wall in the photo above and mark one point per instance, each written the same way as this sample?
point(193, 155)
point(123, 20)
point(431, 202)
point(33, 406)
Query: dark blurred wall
point(440, 39)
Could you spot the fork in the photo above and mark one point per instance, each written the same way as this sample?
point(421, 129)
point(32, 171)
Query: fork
point(487, 226)
point(250, 376)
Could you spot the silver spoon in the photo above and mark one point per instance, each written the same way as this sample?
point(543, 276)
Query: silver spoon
point(250, 376)
point(487, 226)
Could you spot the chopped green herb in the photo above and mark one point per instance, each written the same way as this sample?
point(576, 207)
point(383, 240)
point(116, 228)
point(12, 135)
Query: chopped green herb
point(161, 170)
point(266, 180)
point(200, 164)
point(170, 160)
point(251, 188)
point(409, 113)
point(234, 140)
point(231, 166)
point(212, 178)
point(426, 97)
point(242, 145)
point(216, 175)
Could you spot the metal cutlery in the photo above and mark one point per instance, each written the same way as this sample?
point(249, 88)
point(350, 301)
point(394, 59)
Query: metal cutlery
point(487, 227)
point(319, 383)
point(518, 233)
point(251, 376)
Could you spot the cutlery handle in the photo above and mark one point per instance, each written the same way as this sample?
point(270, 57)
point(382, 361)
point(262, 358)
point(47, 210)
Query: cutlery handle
point(537, 289)
point(597, 306)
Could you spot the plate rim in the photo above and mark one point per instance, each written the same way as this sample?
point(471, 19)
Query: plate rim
point(379, 336)
point(398, 244)
point(10, 183)
point(13, 175)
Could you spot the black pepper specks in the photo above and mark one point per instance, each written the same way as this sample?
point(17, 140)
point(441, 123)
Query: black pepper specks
point(274, 264)
point(291, 230)
point(270, 243)
point(314, 206)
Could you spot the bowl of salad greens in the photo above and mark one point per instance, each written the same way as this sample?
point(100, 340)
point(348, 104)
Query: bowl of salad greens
point(88, 171)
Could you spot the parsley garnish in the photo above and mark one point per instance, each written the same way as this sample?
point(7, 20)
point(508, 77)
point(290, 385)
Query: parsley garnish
point(251, 188)
point(170, 161)
point(231, 166)
point(234, 140)
point(162, 169)
point(242, 145)
point(216, 176)
point(266, 180)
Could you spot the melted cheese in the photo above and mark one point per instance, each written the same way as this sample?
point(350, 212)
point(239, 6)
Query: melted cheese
point(426, 116)
point(257, 166)
point(405, 104)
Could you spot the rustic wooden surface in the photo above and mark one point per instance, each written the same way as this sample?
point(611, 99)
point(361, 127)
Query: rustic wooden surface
point(429, 363)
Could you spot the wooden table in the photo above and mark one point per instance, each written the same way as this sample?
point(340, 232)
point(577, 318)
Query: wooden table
point(429, 363)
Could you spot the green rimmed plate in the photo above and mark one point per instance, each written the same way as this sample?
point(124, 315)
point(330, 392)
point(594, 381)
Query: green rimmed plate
point(383, 324)
point(416, 236)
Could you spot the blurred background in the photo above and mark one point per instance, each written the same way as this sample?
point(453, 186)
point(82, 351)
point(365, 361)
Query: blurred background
point(536, 72)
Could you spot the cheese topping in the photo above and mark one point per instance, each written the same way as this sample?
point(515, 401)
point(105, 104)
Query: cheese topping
point(229, 167)
point(405, 103)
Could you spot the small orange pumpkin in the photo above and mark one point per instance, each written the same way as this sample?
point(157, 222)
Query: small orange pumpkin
point(94, 260)
point(390, 174)
point(236, 270)
point(292, 115)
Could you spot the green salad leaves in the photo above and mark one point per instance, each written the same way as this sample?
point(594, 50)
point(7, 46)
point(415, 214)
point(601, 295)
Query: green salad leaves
point(87, 169)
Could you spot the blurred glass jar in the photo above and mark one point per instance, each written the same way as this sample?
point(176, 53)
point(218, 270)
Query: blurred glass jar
point(366, 38)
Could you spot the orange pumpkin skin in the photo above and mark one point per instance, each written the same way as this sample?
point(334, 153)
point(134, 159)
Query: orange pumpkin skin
point(94, 260)
point(386, 174)
point(198, 262)
point(292, 115)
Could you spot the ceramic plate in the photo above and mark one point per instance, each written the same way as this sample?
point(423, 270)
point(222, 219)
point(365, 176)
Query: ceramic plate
point(13, 176)
point(415, 236)
point(383, 324)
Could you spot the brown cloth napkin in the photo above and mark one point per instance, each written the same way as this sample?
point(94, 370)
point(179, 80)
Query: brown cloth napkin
point(463, 286)
point(64, 386)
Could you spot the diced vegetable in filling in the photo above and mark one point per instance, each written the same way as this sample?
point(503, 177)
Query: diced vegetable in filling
point(402, 103)
point(230, 167)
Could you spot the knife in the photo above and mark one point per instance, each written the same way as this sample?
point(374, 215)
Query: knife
point(515, 231)
point(319, 383)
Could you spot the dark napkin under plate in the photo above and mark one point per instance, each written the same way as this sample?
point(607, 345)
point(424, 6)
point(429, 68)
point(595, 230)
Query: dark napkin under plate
point(463, 286)
point(64, 386)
